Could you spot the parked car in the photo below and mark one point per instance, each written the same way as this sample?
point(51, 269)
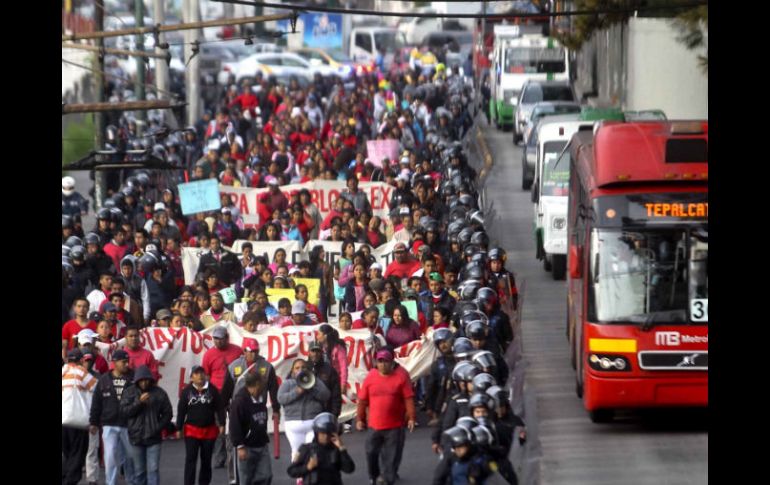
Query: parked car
point(271, 64)
point(333, 61)
point(533, 92)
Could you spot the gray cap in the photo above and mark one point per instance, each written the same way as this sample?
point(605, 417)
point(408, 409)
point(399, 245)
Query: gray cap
point(219, 332)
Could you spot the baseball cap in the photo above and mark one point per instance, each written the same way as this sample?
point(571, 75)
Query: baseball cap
point(159, 206)
point(410, 293)
point(250, 345)
point(384, 354)
point(109, 307)
point(285, 215)
point(74, 354)
point(226, 210)
point(436, 276)
point(86, 336)
point(298, 308)
point(376, 266)
point(294, 270)
point(272, 182)
point(219, 332)
point(163, 313)
point(404, 211)
point(399, 247)
point(314, 345)
point(119, 354)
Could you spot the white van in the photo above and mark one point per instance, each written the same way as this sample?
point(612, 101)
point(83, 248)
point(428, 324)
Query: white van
point(366, 42)
point(550, 190)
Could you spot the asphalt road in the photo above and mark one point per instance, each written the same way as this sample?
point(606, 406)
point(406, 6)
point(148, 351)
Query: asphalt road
point(668, 447)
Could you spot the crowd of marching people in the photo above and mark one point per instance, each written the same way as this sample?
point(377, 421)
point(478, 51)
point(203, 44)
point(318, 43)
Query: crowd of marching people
point(125, 274)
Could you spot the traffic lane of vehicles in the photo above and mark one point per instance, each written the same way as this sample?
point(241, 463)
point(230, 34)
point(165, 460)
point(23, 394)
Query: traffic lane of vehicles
point(645, 446)
point(533, 92)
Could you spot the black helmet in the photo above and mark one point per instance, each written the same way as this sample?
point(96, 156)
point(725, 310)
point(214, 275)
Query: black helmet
point(76, 219)
point(476, 329)
point(486, 295)
point(104, 212)
point(480, 238)
point(474, 270)
point(458, 436)
point(464, 371)
point(476, 217)
point(499, 394)
point(485, 360)
point(108, 203)
point(117, 214)
point(483, 381)
point(465, 235)
point(78, 253)
point(92, 238)
point(467, 422)
point(127, 191)
point(480, 258)
point(467, 201)
point(462, 347)
point(119, 198)
point(496, 254)
point(454, 228)
point(143, 179)
point(148, 263)
point(67, 268)
point(66, 222)
point(470, 250)
point(481, 399)
point(65, 250)
point(132, 182)
point(468, 288)
point(442, 334)
point(325, 423)
point(471, 314)
point(483, 436)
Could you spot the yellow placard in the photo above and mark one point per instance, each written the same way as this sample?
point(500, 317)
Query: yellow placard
point(275, 294)
point(612, 345)
point(313, 288)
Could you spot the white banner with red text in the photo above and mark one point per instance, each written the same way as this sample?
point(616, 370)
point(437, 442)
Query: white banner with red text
point(178, 350)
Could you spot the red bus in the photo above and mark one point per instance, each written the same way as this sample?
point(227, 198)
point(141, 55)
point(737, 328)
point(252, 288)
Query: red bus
point(637, 301)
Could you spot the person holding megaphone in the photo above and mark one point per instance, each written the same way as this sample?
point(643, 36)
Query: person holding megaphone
point(302, 398)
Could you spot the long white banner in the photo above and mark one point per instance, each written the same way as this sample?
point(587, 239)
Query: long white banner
point(323, 193)
point(177, 350)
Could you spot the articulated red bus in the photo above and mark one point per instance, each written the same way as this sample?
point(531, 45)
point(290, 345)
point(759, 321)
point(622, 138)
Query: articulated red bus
point(637, 302)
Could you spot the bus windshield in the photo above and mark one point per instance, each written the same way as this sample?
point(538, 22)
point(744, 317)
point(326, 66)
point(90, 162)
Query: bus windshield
point(555, 170)
point(534, 60)
point(649, 276)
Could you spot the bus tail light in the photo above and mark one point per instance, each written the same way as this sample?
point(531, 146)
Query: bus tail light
point(575, 261)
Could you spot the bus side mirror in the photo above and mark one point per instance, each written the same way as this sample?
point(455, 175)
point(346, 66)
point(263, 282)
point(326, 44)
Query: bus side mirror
point(575, 261)
point(535, 191)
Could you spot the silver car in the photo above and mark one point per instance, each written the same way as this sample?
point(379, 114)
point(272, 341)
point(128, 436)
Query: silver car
point(533, 92)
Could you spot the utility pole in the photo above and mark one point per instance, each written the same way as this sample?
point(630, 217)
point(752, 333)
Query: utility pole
point(191, 13)
point(100, 179)
point(161, 67)
point(140, 92)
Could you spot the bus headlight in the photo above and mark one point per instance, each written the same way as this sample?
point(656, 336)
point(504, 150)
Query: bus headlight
point(608, 363)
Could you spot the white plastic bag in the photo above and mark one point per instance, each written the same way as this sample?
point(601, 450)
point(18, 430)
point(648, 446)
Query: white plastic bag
point(75, 407)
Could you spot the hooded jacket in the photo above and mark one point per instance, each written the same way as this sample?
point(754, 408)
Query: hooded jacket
point(105, 406)
point(300, 407)
point(136, 287)
point(145, 420)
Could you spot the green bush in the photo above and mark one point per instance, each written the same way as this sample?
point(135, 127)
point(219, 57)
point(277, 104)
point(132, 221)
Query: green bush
point(78, 139)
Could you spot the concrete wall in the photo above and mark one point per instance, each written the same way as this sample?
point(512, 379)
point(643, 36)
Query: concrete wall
point(663, 73)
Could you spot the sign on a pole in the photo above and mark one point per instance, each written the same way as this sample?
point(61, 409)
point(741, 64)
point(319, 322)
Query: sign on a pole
point(200, 196)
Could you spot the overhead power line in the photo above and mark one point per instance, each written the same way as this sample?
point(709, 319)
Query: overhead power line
point(123, 106)
point(108, 50)
point(127, 80)
point(378, 13)
point(175, 27)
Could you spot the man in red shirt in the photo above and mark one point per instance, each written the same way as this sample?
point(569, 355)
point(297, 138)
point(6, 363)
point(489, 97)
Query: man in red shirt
point(117, 247)
point(404, 264)
point(387, 392)
point(247, 100)
point(72, 328)
point(215, 363)
point(138, 355)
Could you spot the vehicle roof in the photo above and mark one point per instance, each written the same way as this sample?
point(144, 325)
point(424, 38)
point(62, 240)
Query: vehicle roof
point(375, 29)
point(549, 129)
point(555, 104)
point(563, 82)
point(622, 153)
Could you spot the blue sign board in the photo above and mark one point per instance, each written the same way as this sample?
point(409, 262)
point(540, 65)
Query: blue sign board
point(321, 30)
point(200, 196)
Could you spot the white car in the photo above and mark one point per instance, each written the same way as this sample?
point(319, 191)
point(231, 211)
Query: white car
point(280, 64)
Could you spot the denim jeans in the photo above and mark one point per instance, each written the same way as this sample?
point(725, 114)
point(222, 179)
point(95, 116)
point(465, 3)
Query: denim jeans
point(116, 453)
point(382, 445)
point(92, 458)
point(255, 469)
point(146, 464)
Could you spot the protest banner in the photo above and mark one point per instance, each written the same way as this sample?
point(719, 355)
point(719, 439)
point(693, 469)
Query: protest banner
point(376, 150)
point(191, 256)
point(177, 350)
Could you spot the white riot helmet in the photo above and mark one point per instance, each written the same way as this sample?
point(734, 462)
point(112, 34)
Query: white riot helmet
point(67, 185)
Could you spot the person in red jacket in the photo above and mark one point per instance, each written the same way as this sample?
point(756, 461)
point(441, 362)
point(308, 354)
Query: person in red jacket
point(247, 100)
point(117, 248)
point(138, 355)
point(215, 362)
point(387, 392)
point(404, 264)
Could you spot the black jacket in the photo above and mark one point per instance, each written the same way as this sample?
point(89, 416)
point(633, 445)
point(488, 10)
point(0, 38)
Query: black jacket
point(105, 406)
point(160, 292)
point(331, 461)
point(146, 420)
point(478, 467)
point(457, 407)
point(248, 421)
point(331, 378)
point(200, 409)
point(261, 366)
point(439, 382)
point(228, 268)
